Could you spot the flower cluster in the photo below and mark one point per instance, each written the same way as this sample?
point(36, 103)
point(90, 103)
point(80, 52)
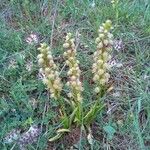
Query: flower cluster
point(49, 69)
point(102, 55)
point(74, 71)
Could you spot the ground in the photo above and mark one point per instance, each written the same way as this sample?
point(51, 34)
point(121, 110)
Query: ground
point(124, 124)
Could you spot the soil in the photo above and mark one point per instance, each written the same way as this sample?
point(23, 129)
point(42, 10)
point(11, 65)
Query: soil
point(97, 132)
point(67, 140)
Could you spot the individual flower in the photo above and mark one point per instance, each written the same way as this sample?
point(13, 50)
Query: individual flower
point(74, 71)
point(102, 55)
point(50, 71)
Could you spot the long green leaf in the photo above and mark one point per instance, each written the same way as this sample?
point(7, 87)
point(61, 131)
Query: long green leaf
point(55, 137)
point(91, 115)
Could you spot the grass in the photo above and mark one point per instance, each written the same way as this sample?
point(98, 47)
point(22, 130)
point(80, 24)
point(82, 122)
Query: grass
point(23, 98)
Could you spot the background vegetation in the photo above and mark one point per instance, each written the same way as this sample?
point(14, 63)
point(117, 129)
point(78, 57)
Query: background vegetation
point(125, 123)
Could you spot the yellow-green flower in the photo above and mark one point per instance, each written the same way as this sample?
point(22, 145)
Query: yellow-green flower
point(74, 71)
point(102, 55)
point(49, 69)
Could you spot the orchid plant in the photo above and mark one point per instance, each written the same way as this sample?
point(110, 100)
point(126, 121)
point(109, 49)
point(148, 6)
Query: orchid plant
point(76, 114)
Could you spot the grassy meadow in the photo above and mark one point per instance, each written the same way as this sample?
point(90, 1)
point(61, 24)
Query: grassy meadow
point(29, 117)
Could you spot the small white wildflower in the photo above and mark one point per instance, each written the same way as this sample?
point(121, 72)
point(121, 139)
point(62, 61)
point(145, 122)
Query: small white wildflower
point(32, 38)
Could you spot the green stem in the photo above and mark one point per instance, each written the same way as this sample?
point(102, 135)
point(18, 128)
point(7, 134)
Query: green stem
point(81, 112)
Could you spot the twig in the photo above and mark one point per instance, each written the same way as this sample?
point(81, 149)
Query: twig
point(13, 146)
point(53, 23)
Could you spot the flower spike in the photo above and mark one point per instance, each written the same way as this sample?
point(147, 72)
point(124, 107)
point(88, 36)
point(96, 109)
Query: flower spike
point(102, 55)
point(74, 71)
point(49, 69)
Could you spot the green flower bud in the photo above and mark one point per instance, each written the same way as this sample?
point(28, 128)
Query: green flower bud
point(52, 95)
point(67, 62)
point(97, 90)
point(100, 62)
point(96, 77)
point(66, 45)
point(106, 42)
point(101, 35)
point(97, 40)
point(105, 56)
point(47, 70)
point(43, 45)
point(73, 83)
point(65, 54)
point(79, 98)
point(107, 76)
point(100, 71)
point(41, 61)
point(50, 57)
point(102, 81)
point(69, 51)
point(73, 78)
point(40, 56)
point(69, 35)
point(100, 45)
point(51, 76)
